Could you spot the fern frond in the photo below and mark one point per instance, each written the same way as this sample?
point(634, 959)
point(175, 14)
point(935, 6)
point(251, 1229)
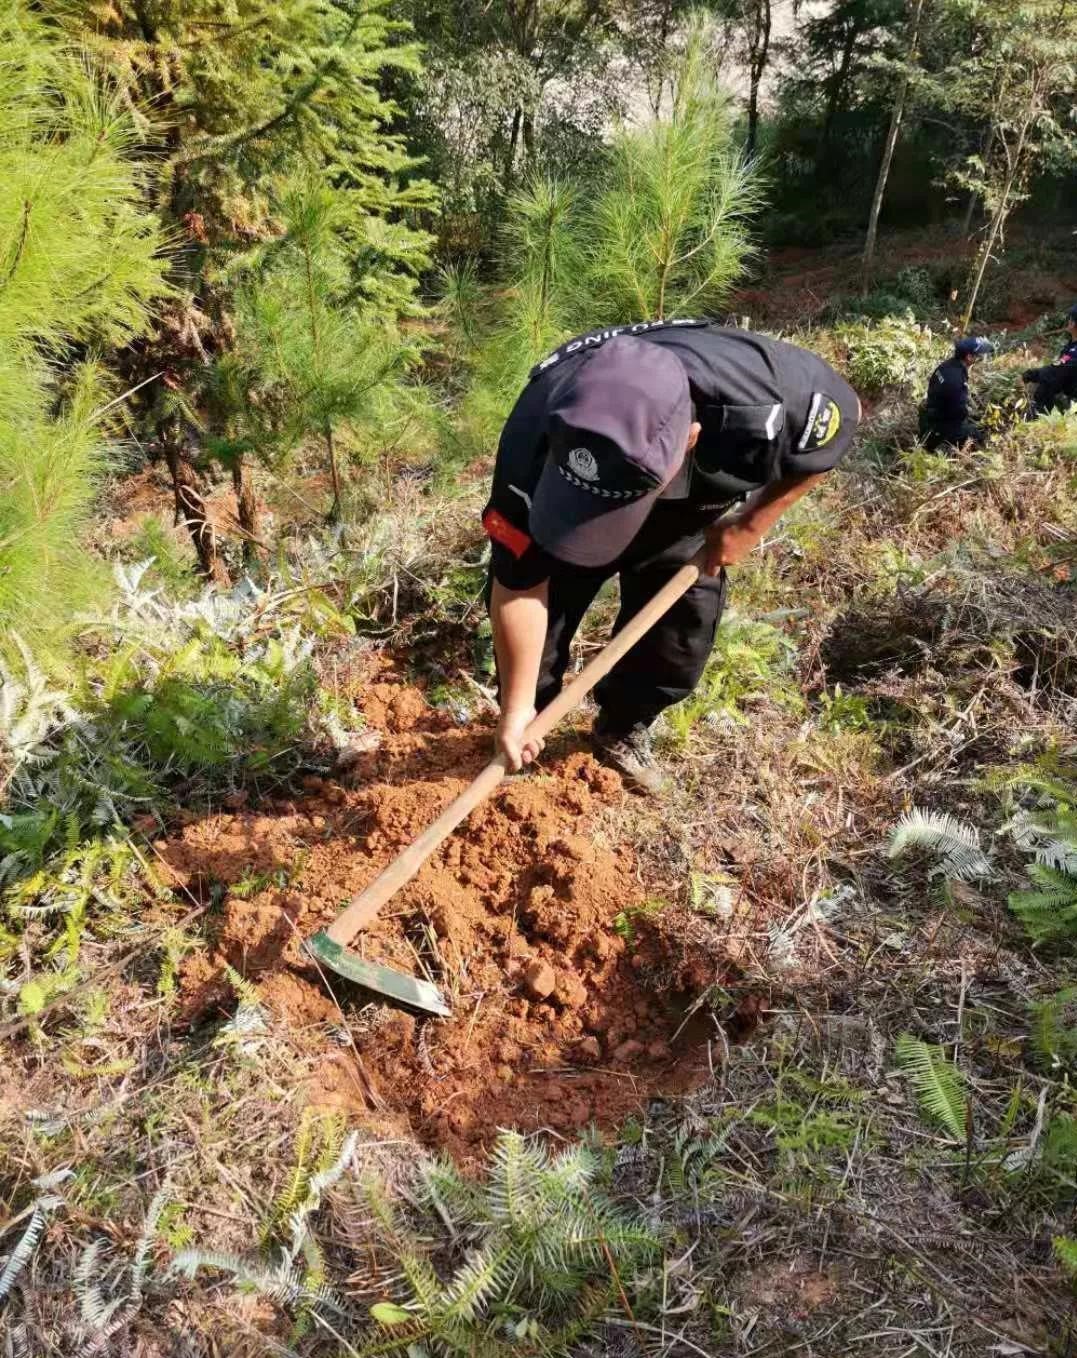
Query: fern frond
point(292, 1196)
point(1053, 1032)
point(146, 1237)
point(94, 1310)
point(423, 1281)
point(485, 1272)
point(455, 1198)
point(282, 1285)
point(1048, 911)
point(21, 1254)
point(955, 842)
point(318, 1184)
point(939, 1086)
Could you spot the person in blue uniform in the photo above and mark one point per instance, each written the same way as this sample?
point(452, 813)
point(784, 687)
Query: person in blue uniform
point(623, 456)
point(1056, 384)
point(944, 416)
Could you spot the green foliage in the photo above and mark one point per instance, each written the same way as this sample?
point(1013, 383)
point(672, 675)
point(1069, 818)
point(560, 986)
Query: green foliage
point(1065, 1248)
point(893, 352)
point(85, 893)
point(1048, 909)
point(667, 235)
point(314, 346)
point(208, 693)
point(267, 90)
point(663, 230)
point(750, 663)
point(535, 1252)
point(78, 264)
point(541, 1241)
point(938, 1084)
point(1054, 1030)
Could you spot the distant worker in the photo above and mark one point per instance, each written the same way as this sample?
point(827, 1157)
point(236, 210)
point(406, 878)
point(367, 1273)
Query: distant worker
point(620, 458)
point(944, 416)
point(1056, 384)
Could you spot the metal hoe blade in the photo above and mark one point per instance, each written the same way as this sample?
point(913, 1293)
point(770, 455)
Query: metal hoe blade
point(393, 984)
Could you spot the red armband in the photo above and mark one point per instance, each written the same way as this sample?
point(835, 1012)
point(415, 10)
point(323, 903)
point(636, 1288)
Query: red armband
point(498, 529)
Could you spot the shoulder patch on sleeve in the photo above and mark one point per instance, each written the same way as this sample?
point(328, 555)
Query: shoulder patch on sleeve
point(498, 529)
point(824, 421)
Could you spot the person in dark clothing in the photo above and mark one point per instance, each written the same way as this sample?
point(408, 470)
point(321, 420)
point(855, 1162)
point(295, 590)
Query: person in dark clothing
point(1056, 384)
point(944, 416)
point(621, 457)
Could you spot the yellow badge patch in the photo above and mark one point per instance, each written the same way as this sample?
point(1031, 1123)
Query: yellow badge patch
point(824, 421)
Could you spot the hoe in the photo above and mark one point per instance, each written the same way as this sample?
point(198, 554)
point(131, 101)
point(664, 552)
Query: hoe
point(330, 946)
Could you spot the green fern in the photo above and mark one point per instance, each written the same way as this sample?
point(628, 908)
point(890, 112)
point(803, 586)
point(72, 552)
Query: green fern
point(939, 1085)
point(956, 843)
point(1053, 1034)
point(537, 1236)
point(1048, 911)
point(246, 990)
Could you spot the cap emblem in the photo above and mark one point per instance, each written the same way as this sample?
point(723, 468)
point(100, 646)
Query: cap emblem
point(582, 462)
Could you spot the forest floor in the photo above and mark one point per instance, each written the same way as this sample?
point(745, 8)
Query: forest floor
point(712, 986)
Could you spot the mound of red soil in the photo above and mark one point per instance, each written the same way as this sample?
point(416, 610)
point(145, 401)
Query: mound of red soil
point(557, 1021)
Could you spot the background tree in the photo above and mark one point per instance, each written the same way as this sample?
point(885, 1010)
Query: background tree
point(664, 230)
point(901, 95)
point(311, 349)
point(750, 23)
point(1020, 83)
point(80, 267)
point(667, 234)
point(241, 101)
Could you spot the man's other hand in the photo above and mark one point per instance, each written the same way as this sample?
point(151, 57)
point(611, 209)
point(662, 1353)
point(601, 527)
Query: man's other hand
point(510, 739)
point(728, 544)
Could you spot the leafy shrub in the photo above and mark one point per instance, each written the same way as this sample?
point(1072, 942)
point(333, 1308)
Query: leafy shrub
point(220, 689)
point(893, 352)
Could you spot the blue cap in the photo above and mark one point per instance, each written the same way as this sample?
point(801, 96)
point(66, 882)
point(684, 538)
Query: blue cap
point(974, 345)
point(618, 434)
point(1073, 314)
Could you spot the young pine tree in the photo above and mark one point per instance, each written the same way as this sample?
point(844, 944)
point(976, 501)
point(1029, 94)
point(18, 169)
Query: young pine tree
point(668, 232)
point(80, 264)
point(314, 346)
point(243, 97)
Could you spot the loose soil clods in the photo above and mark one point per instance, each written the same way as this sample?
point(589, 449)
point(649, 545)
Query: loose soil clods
point(556, 1019)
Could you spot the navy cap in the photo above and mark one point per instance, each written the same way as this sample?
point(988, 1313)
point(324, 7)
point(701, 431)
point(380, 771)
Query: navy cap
point(618, 433)
point(974, 345)
point(1073, 314)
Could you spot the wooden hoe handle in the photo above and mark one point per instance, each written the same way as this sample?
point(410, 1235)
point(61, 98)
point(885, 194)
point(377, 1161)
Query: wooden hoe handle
point(362, 908)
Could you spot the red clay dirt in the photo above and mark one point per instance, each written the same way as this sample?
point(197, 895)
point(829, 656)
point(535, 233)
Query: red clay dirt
point(558, 1021)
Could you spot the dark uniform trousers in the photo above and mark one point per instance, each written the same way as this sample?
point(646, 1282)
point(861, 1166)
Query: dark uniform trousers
point(665, 665)
point(936, 433)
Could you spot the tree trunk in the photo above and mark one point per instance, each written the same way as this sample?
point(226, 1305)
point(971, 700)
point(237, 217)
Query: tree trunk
point(1002, 211)
point(758, 55)
point(514, 141)
point(191, 508)
point(888, 150)
point(334, 474)
point(246, 509)
point(834, 97)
